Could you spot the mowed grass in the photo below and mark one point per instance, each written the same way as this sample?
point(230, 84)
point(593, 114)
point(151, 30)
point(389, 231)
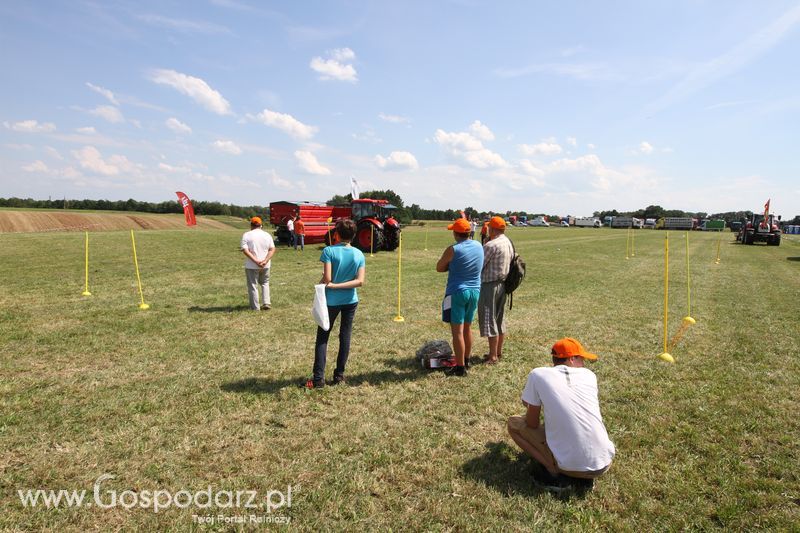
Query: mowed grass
point(198, 391)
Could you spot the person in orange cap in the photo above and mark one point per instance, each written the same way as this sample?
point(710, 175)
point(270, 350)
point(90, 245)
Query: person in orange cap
point(572, 444)
point(258, 247)
point(497, 254)
point(463, 262)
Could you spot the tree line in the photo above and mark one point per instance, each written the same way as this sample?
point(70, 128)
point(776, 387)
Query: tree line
point(200, 207)
point(405, 214)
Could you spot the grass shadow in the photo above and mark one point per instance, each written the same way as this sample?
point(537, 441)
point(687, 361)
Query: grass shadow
point(219, 309)
point(256, 385)
point(793, 258)
point(509, 472)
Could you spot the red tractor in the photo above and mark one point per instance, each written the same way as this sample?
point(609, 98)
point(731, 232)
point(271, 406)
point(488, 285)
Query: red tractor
point(377, 229)
point(760, 229)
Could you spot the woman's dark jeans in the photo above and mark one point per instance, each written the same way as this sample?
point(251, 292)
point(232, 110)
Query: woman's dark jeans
point(345, 330)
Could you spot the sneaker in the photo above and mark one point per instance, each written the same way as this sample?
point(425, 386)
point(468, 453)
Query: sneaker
point(466, 363)
point(266, 307)
point(459, 371)
point(547, 481)
point(338, 379)
point(311, 384)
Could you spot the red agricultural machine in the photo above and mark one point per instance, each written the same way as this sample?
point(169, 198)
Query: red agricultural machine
point(377, 229)
point(761, 228)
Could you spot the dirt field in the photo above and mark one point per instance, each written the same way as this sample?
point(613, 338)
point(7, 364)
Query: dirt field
point(47, 220)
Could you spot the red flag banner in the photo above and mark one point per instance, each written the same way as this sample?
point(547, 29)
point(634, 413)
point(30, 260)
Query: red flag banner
point(188, 210)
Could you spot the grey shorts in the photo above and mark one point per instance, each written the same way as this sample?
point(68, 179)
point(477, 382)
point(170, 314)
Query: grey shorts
point(491, 309)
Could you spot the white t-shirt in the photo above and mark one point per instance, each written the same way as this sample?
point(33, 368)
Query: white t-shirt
point(259, 242)
point(290, 224)
point(572, 422)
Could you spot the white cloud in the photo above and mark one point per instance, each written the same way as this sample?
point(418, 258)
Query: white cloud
point(104, 92)
point(481, 131)
point(31, 126)
point(591, 146)
point(711, 71)
point(229, 147)
point(572, 141)
point(182, 25)
point(546, 147)
point(195, 88)
point(109, 113)
point(529, 168)
point(173, 169)
point(337, 66)
point(397, 161)
point(468, 148)
point(177, 126)
point(308, 162)
point(396, 119)
point(90, 159)
point(645, 148)
point(36, 166)
point(86, 130)
point(287, 124)
point(52, 152)
point(274, 179)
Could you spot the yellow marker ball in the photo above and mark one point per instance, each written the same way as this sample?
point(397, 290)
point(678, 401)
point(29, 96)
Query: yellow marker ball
point(688, 320)
point(144, 306)
point(666, 357)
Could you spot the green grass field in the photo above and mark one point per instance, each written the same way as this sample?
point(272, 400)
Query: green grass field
point(198, 391)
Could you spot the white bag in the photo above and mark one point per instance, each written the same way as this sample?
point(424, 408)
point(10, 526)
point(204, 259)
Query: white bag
point(320, 309)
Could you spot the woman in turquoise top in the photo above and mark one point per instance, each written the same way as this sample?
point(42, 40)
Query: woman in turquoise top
point(463, 262)
point(343, 270)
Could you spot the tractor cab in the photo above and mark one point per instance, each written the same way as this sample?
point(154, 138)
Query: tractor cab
point(377, 209)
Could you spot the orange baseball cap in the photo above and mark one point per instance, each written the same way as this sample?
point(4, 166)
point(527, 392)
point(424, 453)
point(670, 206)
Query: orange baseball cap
point(497, 223)
point(461, 225)
point(255, 220)
point(569, 347)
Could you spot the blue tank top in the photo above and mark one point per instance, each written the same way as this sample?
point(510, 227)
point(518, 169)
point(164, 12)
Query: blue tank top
point(464, 271)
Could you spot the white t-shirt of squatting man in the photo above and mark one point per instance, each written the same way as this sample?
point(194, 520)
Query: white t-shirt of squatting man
point(259, 242)
point(572, 422)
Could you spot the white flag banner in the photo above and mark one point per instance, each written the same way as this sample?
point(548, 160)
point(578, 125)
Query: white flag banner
point(353, 188)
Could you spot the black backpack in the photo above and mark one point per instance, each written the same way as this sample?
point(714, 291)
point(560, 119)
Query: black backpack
point(515, 275)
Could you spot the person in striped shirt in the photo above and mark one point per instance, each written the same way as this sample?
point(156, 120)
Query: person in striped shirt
point(497, 254)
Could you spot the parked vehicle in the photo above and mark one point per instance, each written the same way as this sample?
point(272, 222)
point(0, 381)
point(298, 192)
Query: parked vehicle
point(564, 224)
point(649, 223)
point(376, 227)
point(713, 225)
point(627, 222)
point(676, 223)
point(588, 222)
point(539, 221)
point(760, 229)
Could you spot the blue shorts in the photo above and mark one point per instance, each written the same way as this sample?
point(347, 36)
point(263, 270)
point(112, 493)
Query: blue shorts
point(463, 306)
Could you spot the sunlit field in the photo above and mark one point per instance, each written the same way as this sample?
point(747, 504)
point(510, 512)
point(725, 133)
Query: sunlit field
point(200, 392)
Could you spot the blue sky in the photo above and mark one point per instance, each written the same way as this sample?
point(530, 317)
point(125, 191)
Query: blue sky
point(556, 107)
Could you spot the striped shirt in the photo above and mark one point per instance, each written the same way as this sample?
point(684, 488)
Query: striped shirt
point(497, 255)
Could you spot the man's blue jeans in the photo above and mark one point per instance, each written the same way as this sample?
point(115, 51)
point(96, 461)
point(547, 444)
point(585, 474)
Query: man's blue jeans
point(345, 330)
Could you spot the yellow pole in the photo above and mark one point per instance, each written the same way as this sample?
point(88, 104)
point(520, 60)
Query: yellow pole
point(627, 244)
point(665, 356)
point(399, 317)
point(371, 240)
point(719, 242)
point(688, 320)
point(86, 248)
point(138, 278)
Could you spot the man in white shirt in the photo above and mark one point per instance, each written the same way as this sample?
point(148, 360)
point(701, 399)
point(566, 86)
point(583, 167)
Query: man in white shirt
point(572, 444)
point(290, 227)
point(258, 248)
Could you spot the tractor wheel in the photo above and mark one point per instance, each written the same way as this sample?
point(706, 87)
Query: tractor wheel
point(749, 238)
point(366, 235)
point(391, 238)
point(774, 240)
